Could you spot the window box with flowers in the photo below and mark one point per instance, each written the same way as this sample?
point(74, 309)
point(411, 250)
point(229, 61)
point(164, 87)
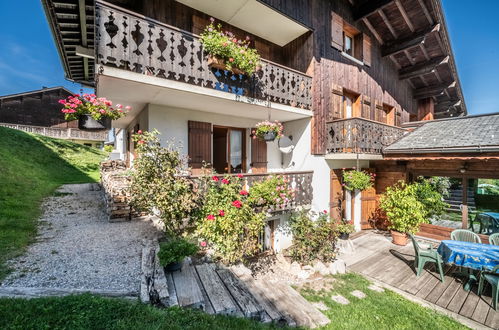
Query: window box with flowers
point(268, 131)
point(226, 52)
point(92, 112)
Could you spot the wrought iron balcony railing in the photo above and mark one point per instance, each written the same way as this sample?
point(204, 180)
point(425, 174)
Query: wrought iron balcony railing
point(133, 42)
point(359, 135)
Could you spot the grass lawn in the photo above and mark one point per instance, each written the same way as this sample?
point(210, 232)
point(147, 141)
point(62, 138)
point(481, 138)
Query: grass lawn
point(90, 312)
point(31, 168)
point(379, 310)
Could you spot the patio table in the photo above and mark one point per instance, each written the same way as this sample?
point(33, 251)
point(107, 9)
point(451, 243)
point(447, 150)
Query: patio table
point(470, 255)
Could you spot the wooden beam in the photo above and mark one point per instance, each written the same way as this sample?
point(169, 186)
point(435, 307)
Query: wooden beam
point(369, 7)
point(422, 68)
point(83, 27)
point(413, 40)
point(433, 88)
point(404, 15)
point(373, 30)
point(425, 11)
point(444, 106)
point(387, 23)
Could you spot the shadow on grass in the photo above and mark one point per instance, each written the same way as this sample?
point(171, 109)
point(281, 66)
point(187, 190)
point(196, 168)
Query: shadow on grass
point(31, 169)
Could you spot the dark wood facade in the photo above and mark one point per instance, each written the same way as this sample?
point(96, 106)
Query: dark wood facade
point(37, 108)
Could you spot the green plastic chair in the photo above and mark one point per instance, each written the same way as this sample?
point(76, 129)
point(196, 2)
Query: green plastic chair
point(465, 235)
point(486, 224)
point(494, 239)
point(426, 255)
point(493, 278)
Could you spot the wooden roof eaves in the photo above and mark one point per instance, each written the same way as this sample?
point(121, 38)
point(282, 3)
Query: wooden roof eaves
point(437, 6)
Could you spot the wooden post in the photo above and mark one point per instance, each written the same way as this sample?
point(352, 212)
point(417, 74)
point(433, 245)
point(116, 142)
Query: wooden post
point(464, 209)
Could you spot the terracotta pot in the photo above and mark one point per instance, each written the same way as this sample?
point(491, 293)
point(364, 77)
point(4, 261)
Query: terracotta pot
point(86, 122)
point(399, 238)
point(218, 63)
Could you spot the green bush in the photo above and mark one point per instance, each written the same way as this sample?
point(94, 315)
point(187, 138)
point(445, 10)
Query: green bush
point(427, 193)
point(108, 148)
point(158, 186)
point(227, 222)
point(357, 180)
point(312, 239)
point(175, 251)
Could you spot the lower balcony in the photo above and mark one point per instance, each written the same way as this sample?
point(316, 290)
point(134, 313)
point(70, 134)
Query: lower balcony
point(358, 137)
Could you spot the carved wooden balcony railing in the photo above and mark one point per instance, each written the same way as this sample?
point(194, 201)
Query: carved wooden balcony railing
point(301, 181)
point(359, 135)
point(133, 42)
point(60, 133)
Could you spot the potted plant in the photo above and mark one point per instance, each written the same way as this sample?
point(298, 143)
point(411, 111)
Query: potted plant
point(344, 229)
point(268, 131)
point(226, 52)
point(404, 210)
point(92, 112)
point(172, 253)
point(357, 180)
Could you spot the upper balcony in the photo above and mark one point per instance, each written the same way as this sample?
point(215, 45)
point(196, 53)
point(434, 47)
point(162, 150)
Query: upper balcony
point(352, 137)
point(128, 41)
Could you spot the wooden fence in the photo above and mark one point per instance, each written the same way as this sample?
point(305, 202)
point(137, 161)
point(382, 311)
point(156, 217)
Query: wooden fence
point(60, 133)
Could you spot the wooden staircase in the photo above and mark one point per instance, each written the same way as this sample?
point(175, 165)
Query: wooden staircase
point(455, 199)
point(217, 290)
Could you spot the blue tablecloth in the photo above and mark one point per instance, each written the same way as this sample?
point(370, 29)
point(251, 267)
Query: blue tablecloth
point(470, 255)
point(494, 215)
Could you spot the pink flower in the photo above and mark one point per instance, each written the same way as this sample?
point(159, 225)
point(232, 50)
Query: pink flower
point(128, 108)
point(141, 142)
point(237, 204)
point(210, 217)
point(277, 188)
point(102, 111)
point(325, 211)
point(241, 51)
point(225, 181)
point(203, 244)
point(119, 106)
point(212, 19)
point(224, 44)
point(234, 40)
point(221, 213)
point(215, 178)
point(247, 38)
point(243, 192)
point(139, 132)
point(240, 176)
point(62, 101)
point(231, 59)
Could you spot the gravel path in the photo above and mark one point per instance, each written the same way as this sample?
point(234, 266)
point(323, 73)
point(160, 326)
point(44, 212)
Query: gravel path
point(77, 248)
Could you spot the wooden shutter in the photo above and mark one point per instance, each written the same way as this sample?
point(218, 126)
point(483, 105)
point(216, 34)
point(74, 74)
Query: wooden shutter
point(199, 145)
point(336, 31)
point(366, 107)
point(336, 103)
point(366, 50)
point(337, 200)
point(258, 156)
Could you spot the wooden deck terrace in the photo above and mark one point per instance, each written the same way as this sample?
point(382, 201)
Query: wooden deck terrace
point(392, 266)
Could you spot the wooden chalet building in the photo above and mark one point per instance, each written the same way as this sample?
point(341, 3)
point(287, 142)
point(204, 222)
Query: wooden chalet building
point(343, 76)
point(40, 112)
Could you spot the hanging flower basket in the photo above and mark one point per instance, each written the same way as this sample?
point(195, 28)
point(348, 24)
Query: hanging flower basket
point(92, 112)
point(358, 180)
point(86, 122)
point(268, 131)
point(226, 52)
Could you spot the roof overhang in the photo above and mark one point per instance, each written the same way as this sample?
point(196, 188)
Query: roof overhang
point(253, 16)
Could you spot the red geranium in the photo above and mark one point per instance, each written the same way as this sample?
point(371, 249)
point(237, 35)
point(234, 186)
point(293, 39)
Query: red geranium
point(243, 192)
point(240, 176)
point(210, 217)
point(225, 181)
point(215, 178)
point(221, 213)
point(237, 204)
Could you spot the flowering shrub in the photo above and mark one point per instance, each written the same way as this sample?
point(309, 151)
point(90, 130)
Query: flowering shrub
point(227, 222)
point(312, 239)
point(236, 53)
point(267, 126)
point(358, 180)
point(157, 185)
point(89, 104)
point(272, 191)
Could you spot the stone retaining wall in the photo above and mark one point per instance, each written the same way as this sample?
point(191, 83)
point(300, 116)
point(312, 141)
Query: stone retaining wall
point(115, 184)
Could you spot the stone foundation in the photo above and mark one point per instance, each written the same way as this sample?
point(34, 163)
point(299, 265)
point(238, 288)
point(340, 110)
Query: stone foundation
point(115, 184)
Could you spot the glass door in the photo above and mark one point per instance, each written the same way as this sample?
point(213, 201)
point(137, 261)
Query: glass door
point(236, 150)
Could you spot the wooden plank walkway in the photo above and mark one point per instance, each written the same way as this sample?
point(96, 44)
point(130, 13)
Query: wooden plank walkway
point(217, 290)
point(394, 266)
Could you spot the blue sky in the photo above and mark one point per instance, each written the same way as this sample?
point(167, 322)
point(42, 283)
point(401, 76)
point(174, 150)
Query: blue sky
point(29, 59)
